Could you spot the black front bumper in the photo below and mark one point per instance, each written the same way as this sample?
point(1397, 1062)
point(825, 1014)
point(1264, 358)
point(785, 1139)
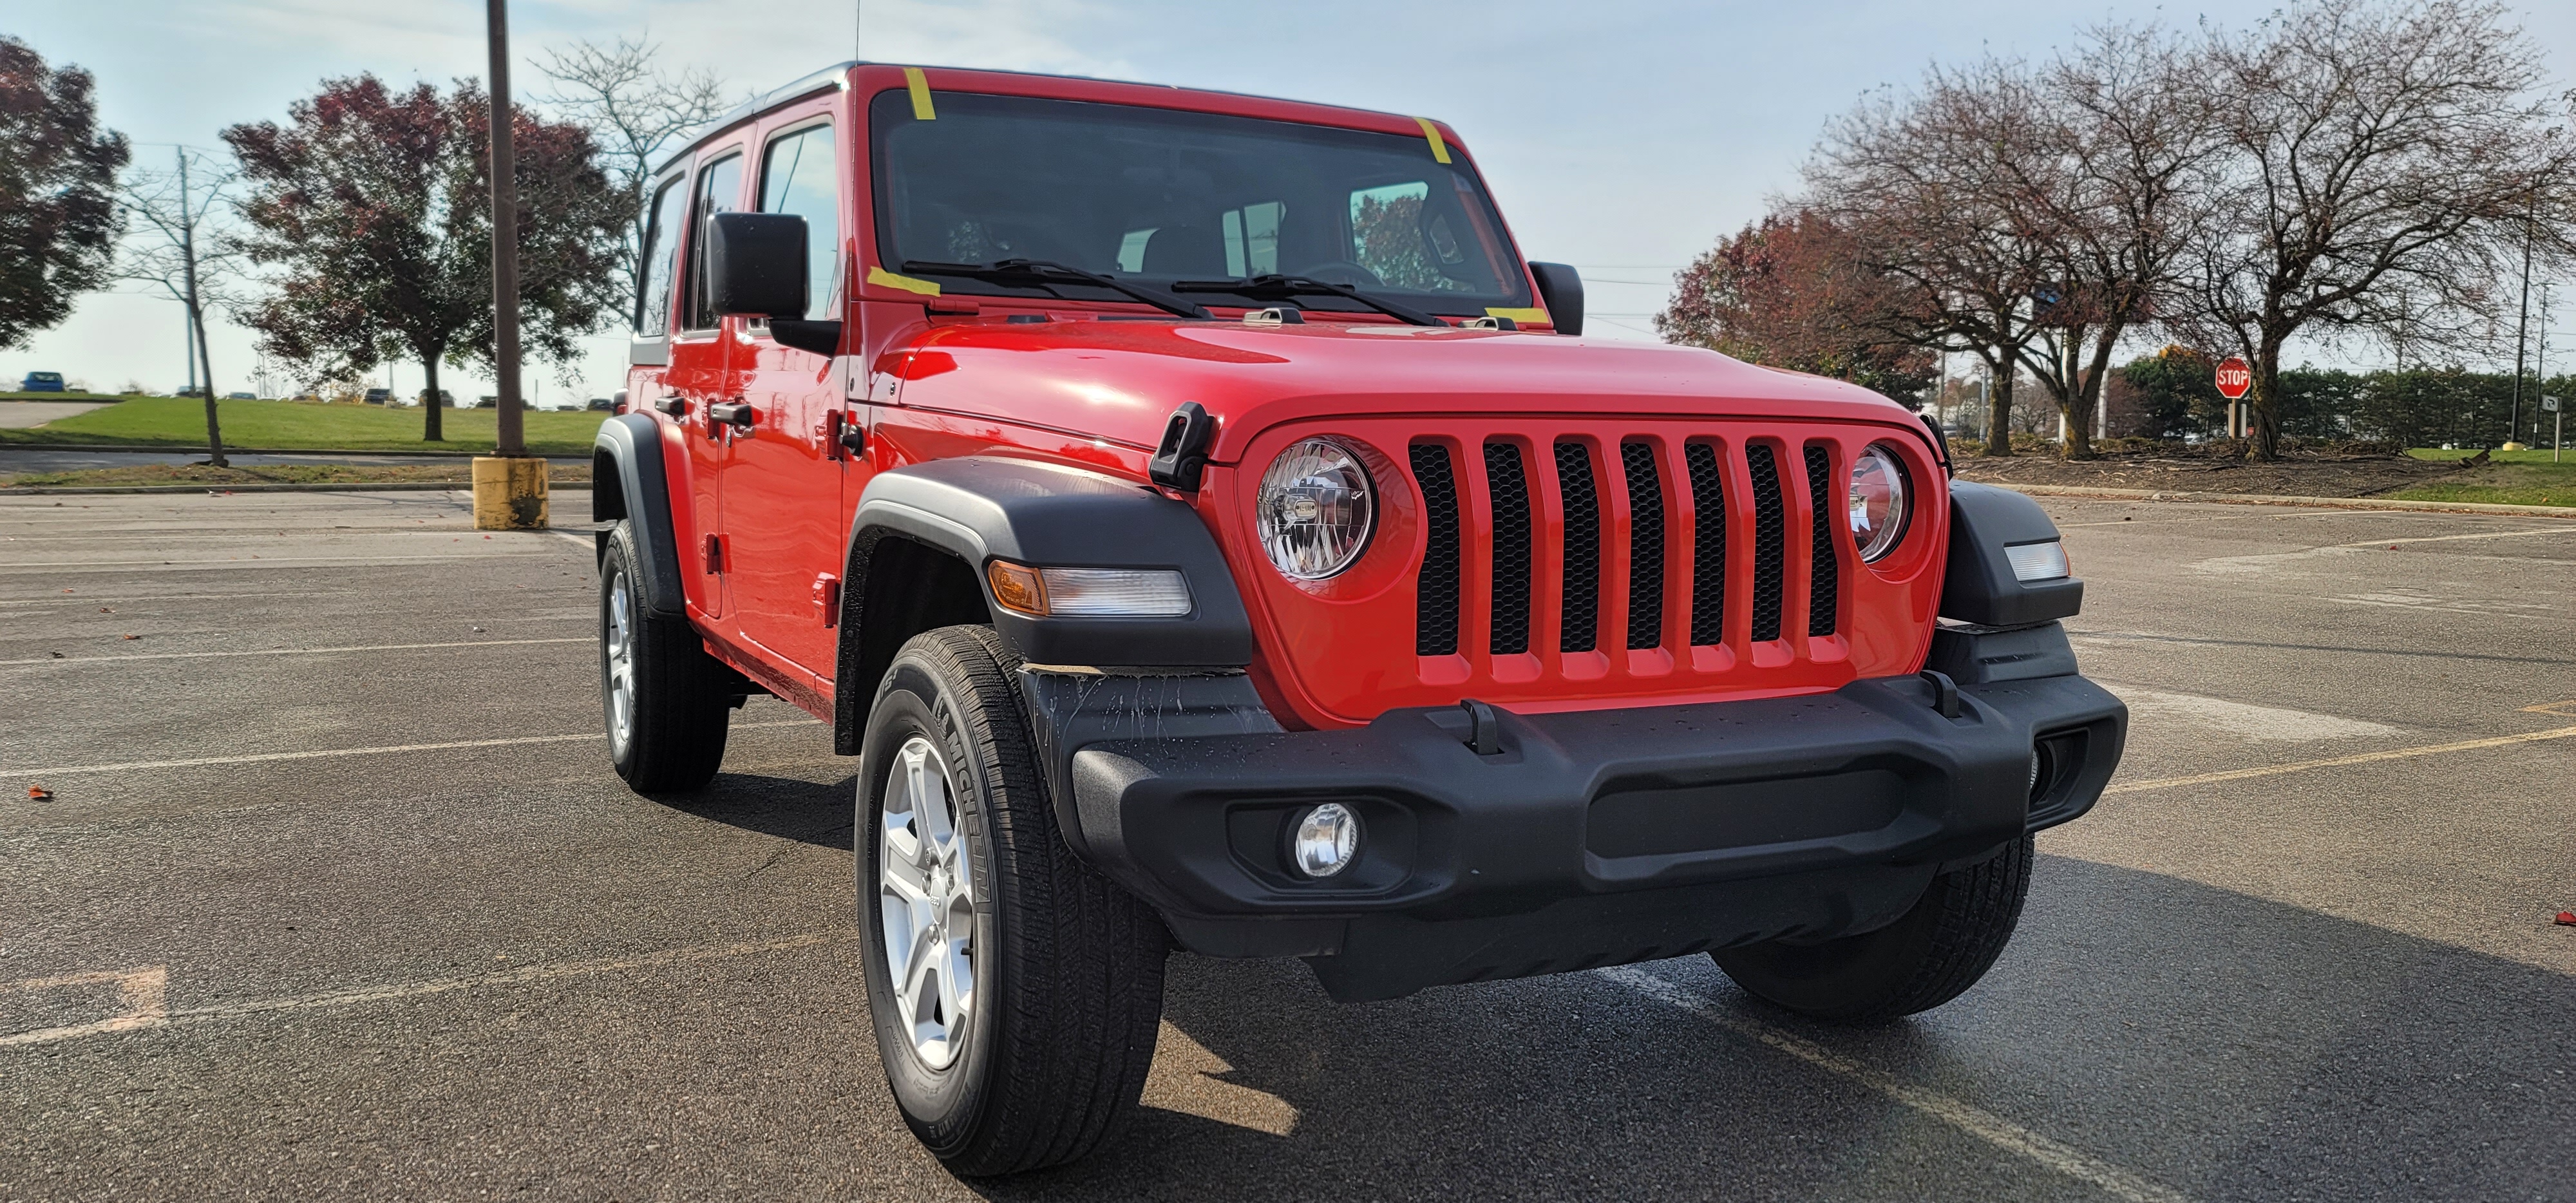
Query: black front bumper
point(1588, 838)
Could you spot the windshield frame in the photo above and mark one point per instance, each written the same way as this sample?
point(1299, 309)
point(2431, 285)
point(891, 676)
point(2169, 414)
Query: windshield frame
point(891, 107)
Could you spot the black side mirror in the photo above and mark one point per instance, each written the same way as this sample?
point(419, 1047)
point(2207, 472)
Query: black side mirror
point(756, 264)
point(1560, 288)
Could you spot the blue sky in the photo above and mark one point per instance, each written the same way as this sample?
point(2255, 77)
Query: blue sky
point(1622, 137)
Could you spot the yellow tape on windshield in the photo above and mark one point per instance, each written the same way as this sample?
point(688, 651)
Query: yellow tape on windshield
point(920, 87)
point(1439, 147)
point(886, 279)
point(1519, 316)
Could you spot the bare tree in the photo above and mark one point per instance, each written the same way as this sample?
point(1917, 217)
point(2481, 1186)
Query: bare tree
point(2115, 191)
point(634, 109)
point(175, 248)
point(1924, 183)
point(2383, 165)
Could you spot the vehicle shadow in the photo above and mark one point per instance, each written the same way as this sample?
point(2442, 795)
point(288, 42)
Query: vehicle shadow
point(808, 812)
point(2221, 1045)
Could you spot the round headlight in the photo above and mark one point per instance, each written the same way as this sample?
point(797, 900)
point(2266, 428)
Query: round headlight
point(1877, 502)
point(1315, 509)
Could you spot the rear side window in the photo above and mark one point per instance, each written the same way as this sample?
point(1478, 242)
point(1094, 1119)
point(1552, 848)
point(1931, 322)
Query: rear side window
point(719, 191)
point(661, 262)
point(798, 175)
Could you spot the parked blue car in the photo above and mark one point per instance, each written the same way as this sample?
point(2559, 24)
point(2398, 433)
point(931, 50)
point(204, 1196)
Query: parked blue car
point(41, 382)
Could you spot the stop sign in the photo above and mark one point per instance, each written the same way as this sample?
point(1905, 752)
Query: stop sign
point(2234, 377)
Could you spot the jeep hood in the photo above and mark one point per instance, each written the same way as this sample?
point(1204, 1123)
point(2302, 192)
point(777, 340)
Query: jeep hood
point(1119, 380)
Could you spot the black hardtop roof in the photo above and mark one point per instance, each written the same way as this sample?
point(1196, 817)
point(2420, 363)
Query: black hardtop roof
point(833, 76)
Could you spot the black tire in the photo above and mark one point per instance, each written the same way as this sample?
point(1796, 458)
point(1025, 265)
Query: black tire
point(1065, 970)
point(1932, 955)
point(674, 736)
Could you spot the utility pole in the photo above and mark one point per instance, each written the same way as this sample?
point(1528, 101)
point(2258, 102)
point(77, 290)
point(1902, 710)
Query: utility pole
point(509, 488)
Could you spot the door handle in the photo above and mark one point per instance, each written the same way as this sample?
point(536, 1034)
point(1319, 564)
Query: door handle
point(676, 406)
point(733, 413)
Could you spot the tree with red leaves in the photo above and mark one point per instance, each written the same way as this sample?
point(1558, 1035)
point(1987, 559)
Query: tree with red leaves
point(1794, 291)
point(57, 191)
point(375, 208)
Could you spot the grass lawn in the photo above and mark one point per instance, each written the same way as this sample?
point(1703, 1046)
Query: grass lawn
point(9, 395)
point(181, 422)
point(459, 473)
point(2512, 478)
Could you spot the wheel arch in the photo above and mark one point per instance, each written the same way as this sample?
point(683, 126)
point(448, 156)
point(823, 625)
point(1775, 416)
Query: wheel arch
point(922, 539)
point(628, 482)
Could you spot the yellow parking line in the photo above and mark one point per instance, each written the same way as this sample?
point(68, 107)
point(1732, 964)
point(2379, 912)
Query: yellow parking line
point(2274, 770)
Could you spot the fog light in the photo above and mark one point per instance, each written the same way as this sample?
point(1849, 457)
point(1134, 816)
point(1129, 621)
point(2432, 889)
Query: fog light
point(1328, 839)
point(2034, 775)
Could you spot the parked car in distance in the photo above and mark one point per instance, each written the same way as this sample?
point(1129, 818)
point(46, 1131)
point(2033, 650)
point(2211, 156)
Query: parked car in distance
point(41, 382)
point(445, 398)
point(241, 396)
point(601, 405)
point(488, 403)
point(380, 396)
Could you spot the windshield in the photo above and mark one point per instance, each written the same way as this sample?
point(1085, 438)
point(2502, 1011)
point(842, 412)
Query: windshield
point(1186, 202)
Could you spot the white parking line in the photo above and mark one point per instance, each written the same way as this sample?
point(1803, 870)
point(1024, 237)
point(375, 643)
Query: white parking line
point(388, 750)
point(139, 1020)
point(258, 561)
point(1967, 1117)
point(295, 651)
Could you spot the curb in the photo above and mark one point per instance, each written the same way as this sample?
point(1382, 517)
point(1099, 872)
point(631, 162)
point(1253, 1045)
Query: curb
point(2330, 503)
point(396, 486)
point(199, 449)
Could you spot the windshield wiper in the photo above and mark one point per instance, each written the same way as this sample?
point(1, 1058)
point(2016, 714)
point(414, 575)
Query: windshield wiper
point(1043, 272)
point(1276, 287)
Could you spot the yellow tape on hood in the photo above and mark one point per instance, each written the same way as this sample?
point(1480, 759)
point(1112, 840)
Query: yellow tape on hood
point(919, 86)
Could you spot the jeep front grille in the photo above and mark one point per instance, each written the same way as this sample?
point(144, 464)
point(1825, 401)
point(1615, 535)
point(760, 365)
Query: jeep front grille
point(1658, 479)
point(1540, 560)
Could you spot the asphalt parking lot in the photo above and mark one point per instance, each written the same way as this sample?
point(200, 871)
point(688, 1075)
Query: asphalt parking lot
point(337, 897)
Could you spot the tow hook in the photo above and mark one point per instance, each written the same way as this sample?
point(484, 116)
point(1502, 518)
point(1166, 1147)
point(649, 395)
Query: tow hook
point(1945, 693)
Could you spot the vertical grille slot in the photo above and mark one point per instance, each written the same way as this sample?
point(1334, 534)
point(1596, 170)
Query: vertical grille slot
point(1824, 571)
point(1507, 490)
point(1770, 541)
point(1435, 614)
point(1582, 609)
point(1645, 545)
point(1708, 544)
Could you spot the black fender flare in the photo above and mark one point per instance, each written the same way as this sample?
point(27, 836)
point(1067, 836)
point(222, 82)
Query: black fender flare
point(1978, 585)
point(629, 449)
point(985, 508)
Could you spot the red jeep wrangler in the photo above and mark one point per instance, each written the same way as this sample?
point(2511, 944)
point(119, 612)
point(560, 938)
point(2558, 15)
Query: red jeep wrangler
point(1208, 531)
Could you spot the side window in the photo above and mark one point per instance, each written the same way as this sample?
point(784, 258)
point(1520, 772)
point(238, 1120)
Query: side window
point(1252, 238)
point(661, 261)
point(798, 176)
point(719, 190)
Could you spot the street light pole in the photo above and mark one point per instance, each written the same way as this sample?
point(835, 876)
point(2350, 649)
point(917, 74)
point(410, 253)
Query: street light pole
point(509, 488)
point(505, 240)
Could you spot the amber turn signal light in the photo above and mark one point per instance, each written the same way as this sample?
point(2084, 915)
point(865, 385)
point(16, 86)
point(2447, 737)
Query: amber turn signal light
point(1018, 587)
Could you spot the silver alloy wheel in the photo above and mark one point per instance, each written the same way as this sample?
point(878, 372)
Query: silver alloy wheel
point(926, 904)
point(619, 651)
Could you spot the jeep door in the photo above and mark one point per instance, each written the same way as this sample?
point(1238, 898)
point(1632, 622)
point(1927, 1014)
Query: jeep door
point(705, 372)
point(785, 480)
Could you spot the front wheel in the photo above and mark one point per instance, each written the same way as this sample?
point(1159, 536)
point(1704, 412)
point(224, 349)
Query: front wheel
point(664, 696)
point(1016, 992)
point(1928, 957)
